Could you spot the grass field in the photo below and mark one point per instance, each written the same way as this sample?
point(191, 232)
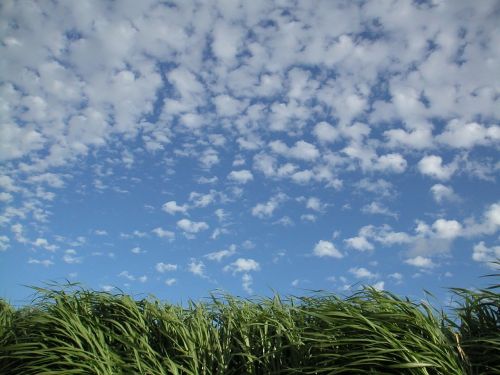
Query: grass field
point(70, 330)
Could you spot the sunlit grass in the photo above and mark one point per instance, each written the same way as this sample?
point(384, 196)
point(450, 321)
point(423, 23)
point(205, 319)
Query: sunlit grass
point(71, 330)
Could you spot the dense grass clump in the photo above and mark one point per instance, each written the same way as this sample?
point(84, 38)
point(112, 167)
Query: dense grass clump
point(76, 331)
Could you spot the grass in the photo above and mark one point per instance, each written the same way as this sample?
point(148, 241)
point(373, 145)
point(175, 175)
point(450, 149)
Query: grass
point(71, 330)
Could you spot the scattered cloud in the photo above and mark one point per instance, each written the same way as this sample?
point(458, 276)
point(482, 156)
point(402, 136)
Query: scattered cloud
point(325, 132)
point(379, 285)
point(127, 275)
point(70, 257)
point(466, 136)
point(197, 268)
point(162, 233)
point(264, 210)
point(137, 250)
point(4, 243)
point(432, 166)
point(243, 265)
point(246, 283)
point(171, 281)
point(362, 273)
point(326, 249)
point(444, 194)
point(241, 177)
point(232, 112)
point(359, 243)
point(192, 226)
point(172, 208)
point(421, 262)
point(396, 276)
point(43, 262)
point(377, 208)
point(301, 150)
point(165, 267)
point(221, 254)
point(488, 255)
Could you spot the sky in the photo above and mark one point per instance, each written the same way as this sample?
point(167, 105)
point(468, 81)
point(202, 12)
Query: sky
point(250, 147)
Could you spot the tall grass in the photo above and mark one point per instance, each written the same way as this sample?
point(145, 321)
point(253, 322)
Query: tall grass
point(476, 327)
point(77, 331)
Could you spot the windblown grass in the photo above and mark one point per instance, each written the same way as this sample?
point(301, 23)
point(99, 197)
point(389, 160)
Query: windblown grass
point(77, 331)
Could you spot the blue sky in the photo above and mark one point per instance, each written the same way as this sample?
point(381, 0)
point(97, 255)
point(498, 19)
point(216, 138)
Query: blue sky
point(178, 148)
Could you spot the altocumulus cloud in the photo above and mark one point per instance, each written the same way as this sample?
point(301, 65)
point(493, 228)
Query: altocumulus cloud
point(313, 131)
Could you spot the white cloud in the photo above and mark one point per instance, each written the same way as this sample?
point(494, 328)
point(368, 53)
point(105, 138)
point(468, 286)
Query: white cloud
point(192, 226)
point(265, 163)
point(243, 265)
point(314, 203)
point(127, 275)
point(227, 105)
point(241, 177)
point(17, 141)
point(226, 41)
point(246, 283)
point(137, 250)
point(221, 214)
point(325, 132)
point(448, 229)
point(302, 177)
point(379, 285)
point(162, 233)
point(202, 200)
point(221, 254)
point(5, 197)
point(197, 268)
point(489, 224)
point(70, 257)
point(18, 231)
point(492, 215)
point(482, 253)
point(379, 187)
point(218, 232)
point(420, 261)
point(359, 243)
point(107, 288)
point(50, 179)
point(172, 208)
point(301, 150)
point(285, 221)
point(42, 242)
point(66, 97)
point(308, 217)
point(442, 193)
point(209, 158)
point(396, 276)
point(7, 183)
point(395, 163)
point(326, 249)
point(44, 262)
point(263, 210)
point(362, 273)
point(418, 138)
point(460, 135)
point(100, 232)
point(432, 166)
point(170, 281)
point(377, 208)
point(165, 267)
point(248, 245)
point(208, 180)
point(4, 243)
